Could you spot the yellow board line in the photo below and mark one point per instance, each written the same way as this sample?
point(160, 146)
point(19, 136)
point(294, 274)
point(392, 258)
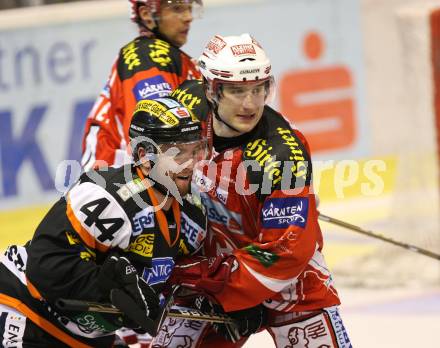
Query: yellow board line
point(18, 226)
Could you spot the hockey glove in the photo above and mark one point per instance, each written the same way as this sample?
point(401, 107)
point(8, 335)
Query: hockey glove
point(228, 330)
point(204, 274)
point(205, 305)
point(247, 322)
point(118, 280)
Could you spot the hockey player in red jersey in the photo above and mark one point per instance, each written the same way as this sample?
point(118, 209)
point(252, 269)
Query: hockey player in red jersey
point(149, 67)
point(264, 263)
point(113, 237)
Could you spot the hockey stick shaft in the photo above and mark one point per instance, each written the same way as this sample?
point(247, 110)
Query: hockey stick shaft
point(379, 236)
point(191, 314)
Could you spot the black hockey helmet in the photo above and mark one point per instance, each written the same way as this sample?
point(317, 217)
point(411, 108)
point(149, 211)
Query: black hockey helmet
point(163, 121)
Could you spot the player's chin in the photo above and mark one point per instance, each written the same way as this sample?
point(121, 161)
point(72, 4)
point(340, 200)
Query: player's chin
point(183, 182)
point(180, 39)
point(246, 127)
point(183, 189)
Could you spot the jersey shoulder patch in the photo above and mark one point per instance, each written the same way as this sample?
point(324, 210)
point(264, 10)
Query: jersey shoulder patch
point(276, 155)
point(143, 54)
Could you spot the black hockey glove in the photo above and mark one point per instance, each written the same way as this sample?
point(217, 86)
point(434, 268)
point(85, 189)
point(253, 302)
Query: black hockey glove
point(228, 330)
point(204, 304)
point(247, 322)
point(118, 280)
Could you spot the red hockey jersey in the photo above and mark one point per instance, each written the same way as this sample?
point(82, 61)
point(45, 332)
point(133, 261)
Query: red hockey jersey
point(146, 68)
point(261, 208)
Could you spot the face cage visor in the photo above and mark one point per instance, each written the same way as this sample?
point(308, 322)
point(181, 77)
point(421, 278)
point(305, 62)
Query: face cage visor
point(180, 8)
point(260, 92)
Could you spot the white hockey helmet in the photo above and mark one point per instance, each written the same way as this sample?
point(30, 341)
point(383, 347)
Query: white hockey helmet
point(235, 59)
point(154, 7)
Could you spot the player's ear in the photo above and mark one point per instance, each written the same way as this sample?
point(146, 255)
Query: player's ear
point(147, 17)
point(142, 159)
point(209, 93)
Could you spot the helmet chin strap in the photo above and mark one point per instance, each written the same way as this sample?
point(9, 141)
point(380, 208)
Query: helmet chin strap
point(218, 118)
point(155, 30)
point(141, 23)
point(159, 187)
point(155, 33)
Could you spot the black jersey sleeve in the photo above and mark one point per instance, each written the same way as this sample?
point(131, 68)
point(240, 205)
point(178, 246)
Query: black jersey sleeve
point(59, 264)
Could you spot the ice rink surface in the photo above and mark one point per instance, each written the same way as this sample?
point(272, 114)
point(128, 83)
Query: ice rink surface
point(386, 318)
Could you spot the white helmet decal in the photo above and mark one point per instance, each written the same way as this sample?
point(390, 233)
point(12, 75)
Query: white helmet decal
point(215, 45)
point(234, 58)
point(243, 49)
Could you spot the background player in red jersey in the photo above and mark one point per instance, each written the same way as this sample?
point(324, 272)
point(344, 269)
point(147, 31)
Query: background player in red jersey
point(148, 67)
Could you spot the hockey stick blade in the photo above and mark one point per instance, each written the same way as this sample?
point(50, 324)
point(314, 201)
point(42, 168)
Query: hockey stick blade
point(187, 313)
point(355, 228)
point(195, 314)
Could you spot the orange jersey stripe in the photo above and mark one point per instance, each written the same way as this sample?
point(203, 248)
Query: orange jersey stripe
point(41, 322)
point(33, 290)
point(82, 232)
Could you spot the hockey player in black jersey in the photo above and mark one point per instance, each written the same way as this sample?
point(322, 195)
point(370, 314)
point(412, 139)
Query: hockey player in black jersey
point(113, 237)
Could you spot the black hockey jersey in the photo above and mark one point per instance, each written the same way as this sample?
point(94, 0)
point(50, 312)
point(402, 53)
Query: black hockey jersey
point(106, 211)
